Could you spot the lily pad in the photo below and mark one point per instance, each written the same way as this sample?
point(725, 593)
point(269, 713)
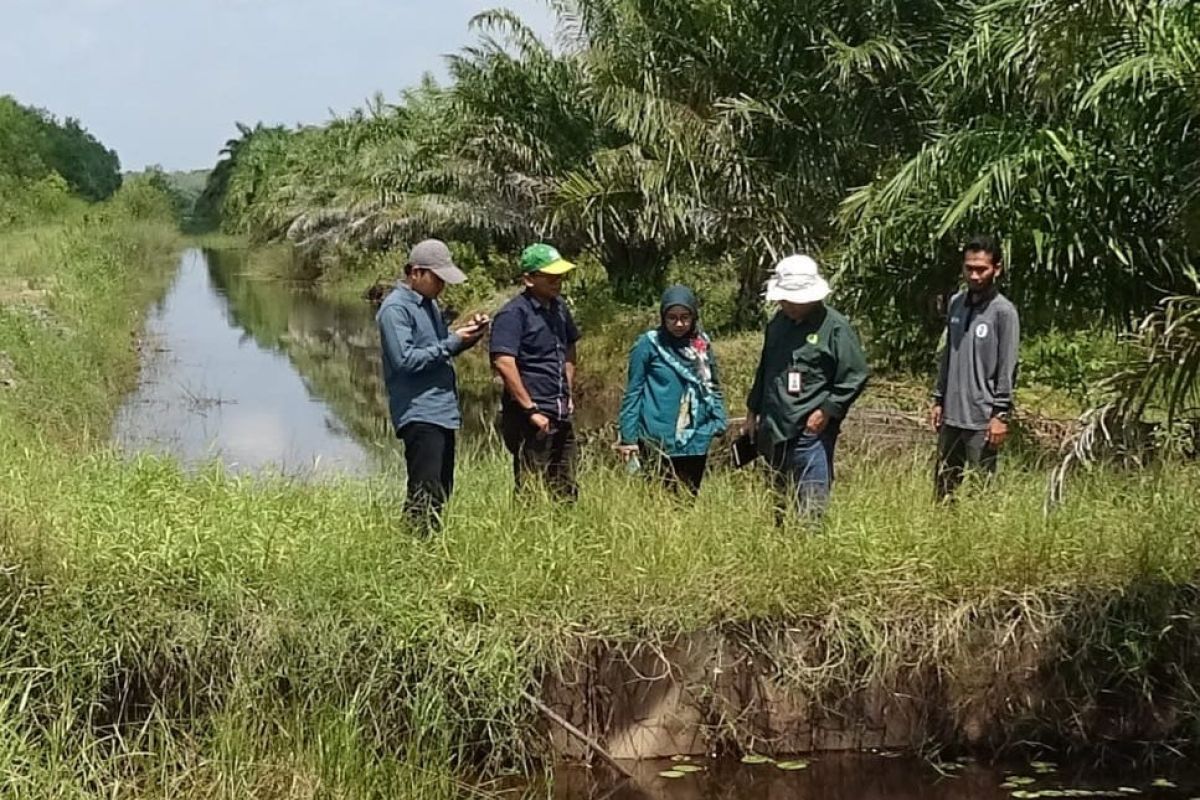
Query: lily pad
point(1162, 783)
point(1128, 790)
point(792, 765)
point(688, 768)
point(681, 757)
point(671, 773)
point(1043, 765)
point(755, 758)
point(1020, 780)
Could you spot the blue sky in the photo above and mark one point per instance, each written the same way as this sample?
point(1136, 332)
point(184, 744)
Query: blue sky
point(163, 81)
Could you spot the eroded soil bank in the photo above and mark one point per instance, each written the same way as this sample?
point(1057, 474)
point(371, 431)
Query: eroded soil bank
point(1086, 672)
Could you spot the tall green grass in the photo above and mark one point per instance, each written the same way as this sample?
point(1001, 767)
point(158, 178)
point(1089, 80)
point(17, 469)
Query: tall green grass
point(170, 634)
point(187, 612)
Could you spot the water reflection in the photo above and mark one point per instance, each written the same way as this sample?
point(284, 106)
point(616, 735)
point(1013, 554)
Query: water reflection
point(242, 371)
point(861, 776)
point(269, 373)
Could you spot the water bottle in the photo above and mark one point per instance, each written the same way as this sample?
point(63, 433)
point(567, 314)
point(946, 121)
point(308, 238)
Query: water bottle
point(634, 465)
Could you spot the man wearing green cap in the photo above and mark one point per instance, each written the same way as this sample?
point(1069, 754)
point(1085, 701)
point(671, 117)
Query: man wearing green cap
point(533, 351)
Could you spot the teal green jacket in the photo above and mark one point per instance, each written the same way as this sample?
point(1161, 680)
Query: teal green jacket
point(654, 393)
point(826, 353)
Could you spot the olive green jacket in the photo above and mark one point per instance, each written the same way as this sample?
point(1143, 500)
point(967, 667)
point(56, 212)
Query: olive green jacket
point(833, 371)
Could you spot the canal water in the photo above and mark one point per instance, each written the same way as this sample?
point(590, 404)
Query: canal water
point(267, 375)
point(261, 375)
point(865, 776)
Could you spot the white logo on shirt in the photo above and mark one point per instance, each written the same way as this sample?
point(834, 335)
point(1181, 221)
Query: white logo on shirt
point(981, 330)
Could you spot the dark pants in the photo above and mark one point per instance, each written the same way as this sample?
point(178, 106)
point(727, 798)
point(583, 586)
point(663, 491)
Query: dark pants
point(803, 470)
point(547, 457)
point(677, 473)
point(429, 457)
point(959, 449)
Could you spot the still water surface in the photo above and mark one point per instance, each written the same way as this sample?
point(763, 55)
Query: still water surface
point(862, 776)
point(270, 375)
point(261, 375)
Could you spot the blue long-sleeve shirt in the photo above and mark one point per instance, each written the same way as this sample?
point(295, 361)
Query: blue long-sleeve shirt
point(417, 353)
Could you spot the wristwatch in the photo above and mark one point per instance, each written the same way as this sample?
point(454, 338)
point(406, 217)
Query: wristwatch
point(1003, 416)
point(529, 412)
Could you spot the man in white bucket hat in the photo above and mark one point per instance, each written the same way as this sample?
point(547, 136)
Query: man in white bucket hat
point(811, 371)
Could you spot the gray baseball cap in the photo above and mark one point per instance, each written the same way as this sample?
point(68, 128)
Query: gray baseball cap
point(433, 255)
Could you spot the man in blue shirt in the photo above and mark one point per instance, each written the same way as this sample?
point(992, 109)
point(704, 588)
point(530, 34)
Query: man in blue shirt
point(422, 389)
point(533, 351)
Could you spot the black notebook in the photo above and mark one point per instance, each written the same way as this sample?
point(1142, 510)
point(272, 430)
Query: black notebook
point(744, 450)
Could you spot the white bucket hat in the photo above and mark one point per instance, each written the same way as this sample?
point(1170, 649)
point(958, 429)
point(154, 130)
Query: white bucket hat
point(796, 279)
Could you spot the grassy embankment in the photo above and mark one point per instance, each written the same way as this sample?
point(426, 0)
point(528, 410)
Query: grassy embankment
point(201, 635)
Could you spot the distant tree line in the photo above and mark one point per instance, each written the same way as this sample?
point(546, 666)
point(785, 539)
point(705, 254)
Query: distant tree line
point(34, 145)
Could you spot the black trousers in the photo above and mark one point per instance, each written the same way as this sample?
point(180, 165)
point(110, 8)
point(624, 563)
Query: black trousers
point(429, 457)
point(549, 457)
point(677, 473)
point(958, 450)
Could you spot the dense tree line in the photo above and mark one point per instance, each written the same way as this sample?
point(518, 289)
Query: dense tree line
point(878, 133)
point(35, 145)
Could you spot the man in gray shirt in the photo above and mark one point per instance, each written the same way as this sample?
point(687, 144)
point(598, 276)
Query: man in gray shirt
point(976, 372)
point(421, 385)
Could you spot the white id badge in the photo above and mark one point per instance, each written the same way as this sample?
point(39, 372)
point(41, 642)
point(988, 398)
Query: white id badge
point(793, 382)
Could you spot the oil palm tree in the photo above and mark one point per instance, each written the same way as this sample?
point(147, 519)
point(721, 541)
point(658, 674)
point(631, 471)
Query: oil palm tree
point(1065, 132)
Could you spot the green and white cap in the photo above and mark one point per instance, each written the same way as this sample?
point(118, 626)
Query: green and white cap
point(544, 258)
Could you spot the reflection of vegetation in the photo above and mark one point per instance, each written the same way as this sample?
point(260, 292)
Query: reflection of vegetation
point(344, 371)
point(261, 307)
point(332, 344)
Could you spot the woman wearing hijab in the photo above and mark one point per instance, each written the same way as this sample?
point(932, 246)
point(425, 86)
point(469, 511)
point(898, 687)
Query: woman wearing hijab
point(672, 407)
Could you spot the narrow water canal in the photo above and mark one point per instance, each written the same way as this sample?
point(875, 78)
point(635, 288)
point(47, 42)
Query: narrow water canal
point(266, 375)
point(260, 375)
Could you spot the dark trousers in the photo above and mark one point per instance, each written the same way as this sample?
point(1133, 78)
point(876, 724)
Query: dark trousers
point(548, 457)
point(958, 450)
point(677, 473)
point(803, 470)
point(429, 457)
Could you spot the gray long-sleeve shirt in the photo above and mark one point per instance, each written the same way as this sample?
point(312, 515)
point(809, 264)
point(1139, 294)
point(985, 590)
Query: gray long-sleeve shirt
point(978, 367)
point(417, 349)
